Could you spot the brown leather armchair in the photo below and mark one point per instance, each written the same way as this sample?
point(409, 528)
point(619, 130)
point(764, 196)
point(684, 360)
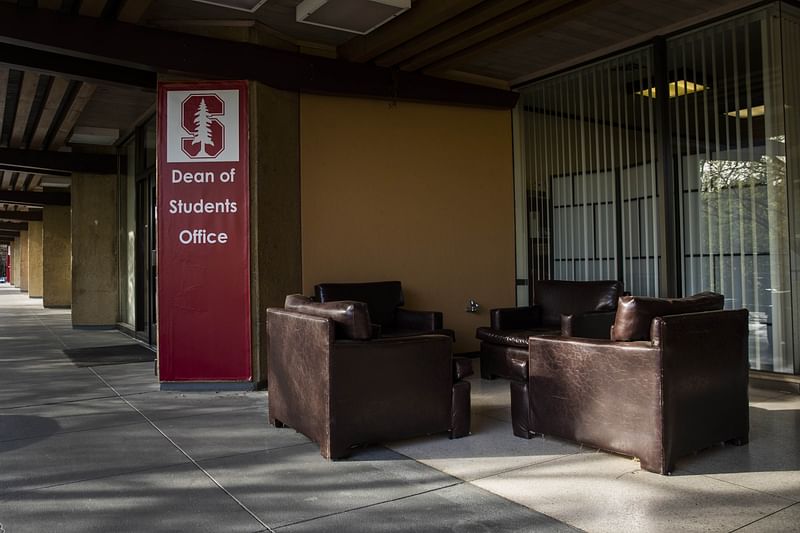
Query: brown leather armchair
point(332, 380)
point(672, 380)
point(385, 302)
point(580, 308)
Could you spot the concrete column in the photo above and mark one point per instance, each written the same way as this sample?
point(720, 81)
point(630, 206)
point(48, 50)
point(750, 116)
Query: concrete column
point(57, 256)
point(15, 257)
point(275, 251)
point(35, 272)
point(95, 290)
point(22, 270)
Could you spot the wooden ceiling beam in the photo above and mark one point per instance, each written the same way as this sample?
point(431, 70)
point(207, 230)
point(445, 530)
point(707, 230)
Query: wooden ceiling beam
point(51, 105)
point(92, 8)
point(75, 110)
point(14, 226)
point(26, 96)
point(76, 68)
point(159, 50)
point(426, 14)
point(486, 38)
point(3, 86)
point(57, 163)
point(133, 10)
point(21, 215)
point(451, 29)
point(55, 5)
point(35, 198)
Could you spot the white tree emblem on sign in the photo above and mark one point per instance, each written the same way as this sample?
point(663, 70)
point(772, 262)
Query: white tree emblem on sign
point(198, 119)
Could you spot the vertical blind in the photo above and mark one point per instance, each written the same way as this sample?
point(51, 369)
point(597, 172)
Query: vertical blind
point(729, 146)
point(587, 173)
point(588, 157)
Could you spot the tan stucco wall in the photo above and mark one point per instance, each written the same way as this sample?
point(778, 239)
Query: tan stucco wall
point(274, 208)
point(35, 272)
point(94, 251)
point(414, 192)
point(57, 256)
point(22, 267)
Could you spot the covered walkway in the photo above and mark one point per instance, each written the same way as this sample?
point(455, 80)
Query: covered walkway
point(89, 443)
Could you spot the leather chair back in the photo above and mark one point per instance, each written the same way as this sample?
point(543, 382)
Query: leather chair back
point(558, 298)
point(382, 297)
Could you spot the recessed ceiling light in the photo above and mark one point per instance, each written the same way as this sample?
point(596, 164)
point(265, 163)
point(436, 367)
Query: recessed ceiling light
point(251, 6)
point(354, 16)
point(676, 88)
point(755, 111)
point(97, 136)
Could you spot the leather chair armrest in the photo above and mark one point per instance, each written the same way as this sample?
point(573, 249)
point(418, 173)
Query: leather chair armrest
point(462, 368)
point(516, 317)
point(518, 369)
point(421, 320)
point(595, 325)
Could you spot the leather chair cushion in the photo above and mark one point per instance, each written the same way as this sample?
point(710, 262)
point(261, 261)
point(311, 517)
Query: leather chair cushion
point(635, 313)
point(351, 319)
point(558, 298)
point(508, 337)
point(381, 297)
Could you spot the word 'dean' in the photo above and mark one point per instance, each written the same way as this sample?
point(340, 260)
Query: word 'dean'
point(208, 176)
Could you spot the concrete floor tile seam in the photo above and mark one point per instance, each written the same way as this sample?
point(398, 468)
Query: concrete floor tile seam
point(188, 456)
point(522, 467)
point(69, 432)
point(375, 504)
point(158, 468)
point(745, 487)
point(45, 404)
point(214, 458)
point(172, 418)
point(764, 517)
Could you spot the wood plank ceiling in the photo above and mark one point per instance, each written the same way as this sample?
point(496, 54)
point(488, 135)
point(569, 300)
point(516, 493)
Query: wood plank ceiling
point(38, 110)
point(497, 43)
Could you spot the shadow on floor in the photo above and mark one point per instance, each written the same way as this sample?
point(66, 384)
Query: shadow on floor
point(110, 355)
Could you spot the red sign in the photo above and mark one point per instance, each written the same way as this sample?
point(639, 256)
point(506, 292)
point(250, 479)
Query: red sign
point(203, 261)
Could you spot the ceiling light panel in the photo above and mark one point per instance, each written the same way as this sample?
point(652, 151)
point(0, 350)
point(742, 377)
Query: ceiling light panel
point(354, 16)
point(251, 6)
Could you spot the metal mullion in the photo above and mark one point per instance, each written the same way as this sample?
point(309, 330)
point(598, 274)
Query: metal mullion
point(645, 180)
point(528, 128)
point(653, 178)
point(694, 225)
point(547, 201)
point(712, 272)
point(709, 232)
point(597, 262)
point(751, 157)
point(628, 271)
point(740, 185)
point(722, 276)
point(584, 178)
point(681, 174)
point(618, 244)
point(727, 145)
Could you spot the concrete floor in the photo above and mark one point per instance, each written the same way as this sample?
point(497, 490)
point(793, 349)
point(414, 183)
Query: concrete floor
point(102, 449)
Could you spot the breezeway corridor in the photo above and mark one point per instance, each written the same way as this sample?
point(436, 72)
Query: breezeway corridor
point(93, 445)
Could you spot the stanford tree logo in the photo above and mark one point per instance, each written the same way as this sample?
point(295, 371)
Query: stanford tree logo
point(199, 114)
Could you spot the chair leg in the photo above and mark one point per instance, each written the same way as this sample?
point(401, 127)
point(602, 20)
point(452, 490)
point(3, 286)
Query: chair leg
point(520, 409)
point(739, 441)
point(460, 410)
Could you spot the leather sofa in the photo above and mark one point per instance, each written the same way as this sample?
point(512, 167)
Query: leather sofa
point(385, 302)
point(580, 308)
point(672, 379)
point(333, 380)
